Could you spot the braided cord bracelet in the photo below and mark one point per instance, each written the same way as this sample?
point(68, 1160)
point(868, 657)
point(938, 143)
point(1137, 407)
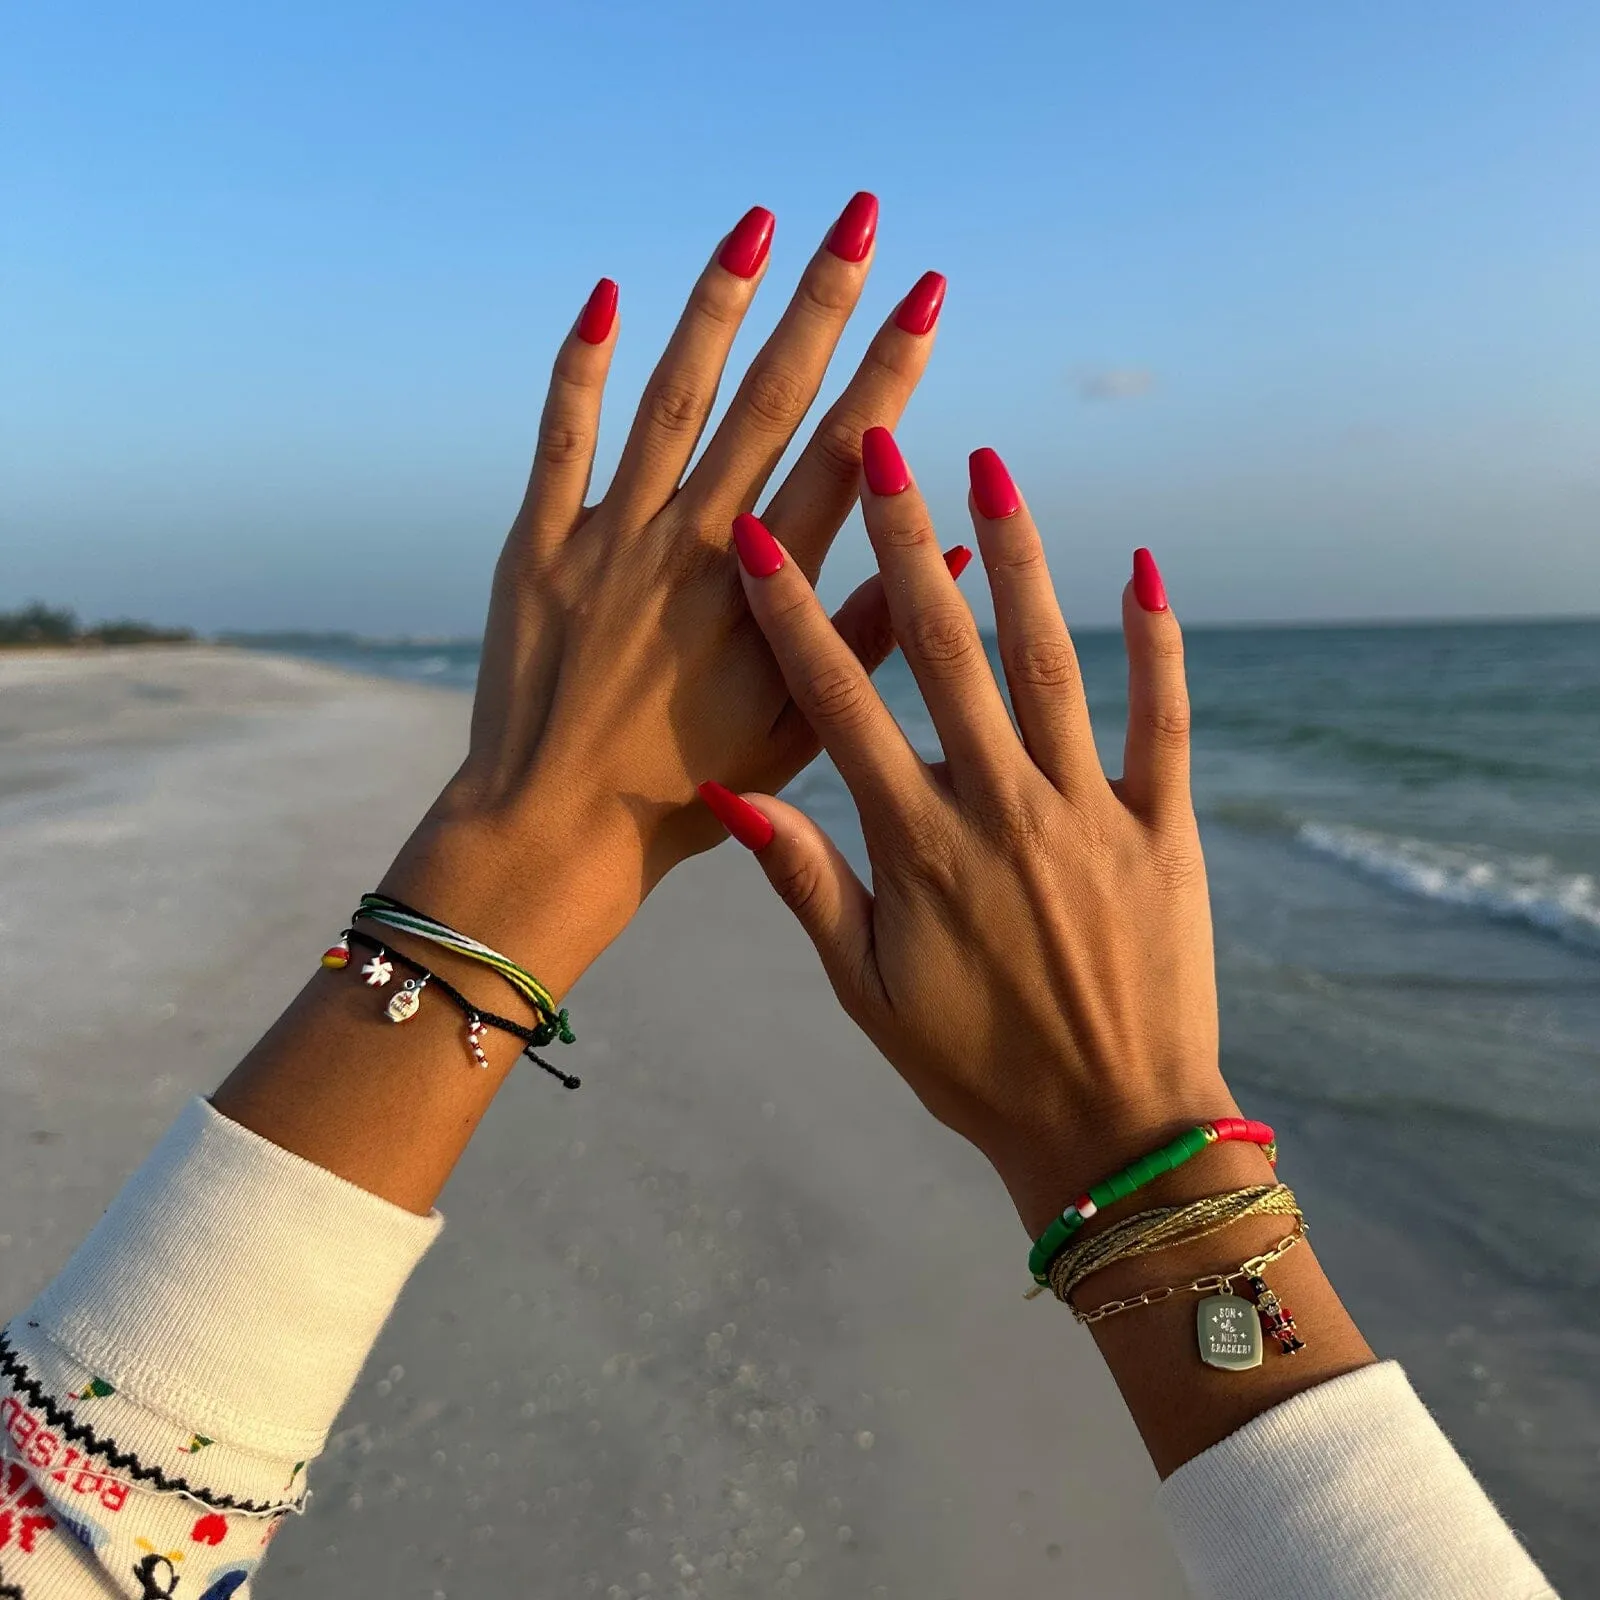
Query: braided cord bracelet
point(391, 913)
point(1136, 1175)
point(1166, 1229)
point(377, 972)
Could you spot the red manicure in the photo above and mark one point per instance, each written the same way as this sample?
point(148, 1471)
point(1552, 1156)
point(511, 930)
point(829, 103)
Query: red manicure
point(1148, 588)
point(882, 462)
point(749, 242)
point(737, 815)
point(594, 325)
point(956, 559)
point(852, 233)
point(993, 492)
point(920, 309)
point(759, 553)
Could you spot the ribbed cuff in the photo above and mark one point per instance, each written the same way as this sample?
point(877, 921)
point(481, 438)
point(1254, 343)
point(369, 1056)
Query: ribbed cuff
point(1349, 1489)
point(232, 1288)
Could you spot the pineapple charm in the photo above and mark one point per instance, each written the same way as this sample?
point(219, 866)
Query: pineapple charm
point(403, 1004)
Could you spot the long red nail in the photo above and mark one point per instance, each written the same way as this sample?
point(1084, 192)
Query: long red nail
point(882, 462)
point(599, 312)
point(737, 815)
point(920, 309)
point(993, 492)
point(759, 553)
point(1148, 589)
point(749, 242)
point(852, 233)
point(956, 559)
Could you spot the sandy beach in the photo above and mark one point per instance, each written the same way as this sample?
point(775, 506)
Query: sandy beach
point(736, 1318)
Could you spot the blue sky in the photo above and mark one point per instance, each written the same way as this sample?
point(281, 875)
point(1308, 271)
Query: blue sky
point(279, 285)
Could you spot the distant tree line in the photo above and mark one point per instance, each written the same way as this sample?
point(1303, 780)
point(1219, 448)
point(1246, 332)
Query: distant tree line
point(39, 624)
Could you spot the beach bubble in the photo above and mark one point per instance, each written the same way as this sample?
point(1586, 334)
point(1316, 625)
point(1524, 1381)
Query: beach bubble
point(1053, 1552)
point(396, 1374)
point(865, 1439)
point(845, 1534)
point(383, 1388)
point(793, 1570)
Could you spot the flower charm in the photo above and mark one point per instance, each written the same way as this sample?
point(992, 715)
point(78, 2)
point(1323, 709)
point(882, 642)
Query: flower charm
point(378, 972)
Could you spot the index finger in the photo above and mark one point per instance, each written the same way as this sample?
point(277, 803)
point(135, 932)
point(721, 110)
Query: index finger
point(826, 681)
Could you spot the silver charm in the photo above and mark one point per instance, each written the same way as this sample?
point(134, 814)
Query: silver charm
point(1229, 1331)
point(404, 1002)
point(378, 971)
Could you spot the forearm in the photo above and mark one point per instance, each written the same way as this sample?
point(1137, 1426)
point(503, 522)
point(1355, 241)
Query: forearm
point(391, 1107)
point(1180, 1405)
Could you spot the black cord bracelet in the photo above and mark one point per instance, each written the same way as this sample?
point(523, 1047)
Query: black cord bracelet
point(477, 1018)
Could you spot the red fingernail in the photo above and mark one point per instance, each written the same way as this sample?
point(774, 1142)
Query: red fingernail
point(1148, 588)
point(920, 309)
point(852, 233)
point(956, 558)
point(882, 462)
point(600, 311)
point(759, 553)
point(737, 815)
point(993, 492)
point(749, 242)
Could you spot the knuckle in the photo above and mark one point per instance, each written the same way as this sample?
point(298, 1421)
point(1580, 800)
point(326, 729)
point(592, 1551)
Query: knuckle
point(837, 693)
point(944, 638)
point(692, 559)
point(924, 846)
point(676, 408)
point(905, 533)
point(1042, 664)
point(561, 442)
point(776, 399)
point(798, 884)
point(828, 290)
point(721, 301)
point(1169, 720)
point(837, 446)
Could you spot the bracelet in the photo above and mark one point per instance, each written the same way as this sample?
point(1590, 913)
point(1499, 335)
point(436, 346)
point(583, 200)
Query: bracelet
point(1229, 1337)
point(1136, 1175)
point(391, 913)
point(405, 1000)
point(1165, 1229)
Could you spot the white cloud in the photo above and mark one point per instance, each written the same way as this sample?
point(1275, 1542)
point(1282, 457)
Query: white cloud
point(1104, 384)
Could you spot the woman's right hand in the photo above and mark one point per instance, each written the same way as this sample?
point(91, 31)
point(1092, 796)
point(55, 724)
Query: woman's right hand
point(1035, 954)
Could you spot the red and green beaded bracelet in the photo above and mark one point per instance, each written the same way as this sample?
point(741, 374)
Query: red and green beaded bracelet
point(1136, 1175)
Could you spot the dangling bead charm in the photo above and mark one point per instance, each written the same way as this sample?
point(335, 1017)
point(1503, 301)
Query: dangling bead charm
point(378, 971)
point(337, 955)
point(475, 1040)
point(403, 1004)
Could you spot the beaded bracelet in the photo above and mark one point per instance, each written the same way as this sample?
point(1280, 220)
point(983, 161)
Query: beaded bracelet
point(404, 1002)
point(1136, 1175)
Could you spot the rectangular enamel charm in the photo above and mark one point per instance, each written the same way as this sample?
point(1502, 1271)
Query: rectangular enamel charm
point(1229, 1332)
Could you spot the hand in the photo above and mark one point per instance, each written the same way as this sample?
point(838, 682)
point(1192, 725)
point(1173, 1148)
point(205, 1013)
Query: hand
point(618, 665)
point(1035, 954)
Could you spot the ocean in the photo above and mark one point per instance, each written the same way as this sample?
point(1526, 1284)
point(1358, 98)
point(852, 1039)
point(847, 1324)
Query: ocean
point(1402, 829)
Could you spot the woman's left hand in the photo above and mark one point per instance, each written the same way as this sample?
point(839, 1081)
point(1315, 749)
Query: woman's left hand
point(619, 667)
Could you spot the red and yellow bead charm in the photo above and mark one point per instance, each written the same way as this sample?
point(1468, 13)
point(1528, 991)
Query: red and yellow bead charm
point(337, 955)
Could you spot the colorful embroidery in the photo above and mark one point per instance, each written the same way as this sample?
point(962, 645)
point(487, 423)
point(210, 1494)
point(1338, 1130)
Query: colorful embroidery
point(95, 1389)
point(197, 1443)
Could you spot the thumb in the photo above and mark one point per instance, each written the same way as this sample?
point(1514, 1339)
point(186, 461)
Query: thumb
point(813, 879)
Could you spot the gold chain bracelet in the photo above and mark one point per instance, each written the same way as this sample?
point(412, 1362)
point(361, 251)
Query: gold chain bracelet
point(1215, 1283)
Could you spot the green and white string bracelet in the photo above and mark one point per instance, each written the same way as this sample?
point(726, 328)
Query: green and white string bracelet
point(391, 913)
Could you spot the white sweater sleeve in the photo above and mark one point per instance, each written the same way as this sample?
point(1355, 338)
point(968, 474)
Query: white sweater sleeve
point(161, 1398)
point(1349, 1491)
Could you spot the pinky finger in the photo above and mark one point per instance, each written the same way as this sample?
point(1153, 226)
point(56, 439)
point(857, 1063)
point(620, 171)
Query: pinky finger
point(570, 425)
point(1155, 771)
point(815, 881)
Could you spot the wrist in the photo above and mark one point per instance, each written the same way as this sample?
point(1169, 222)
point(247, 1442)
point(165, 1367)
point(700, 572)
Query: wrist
point(1045, 1168)
point(549, 885)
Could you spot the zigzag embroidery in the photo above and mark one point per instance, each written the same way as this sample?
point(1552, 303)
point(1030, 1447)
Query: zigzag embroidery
point(25, 1383)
